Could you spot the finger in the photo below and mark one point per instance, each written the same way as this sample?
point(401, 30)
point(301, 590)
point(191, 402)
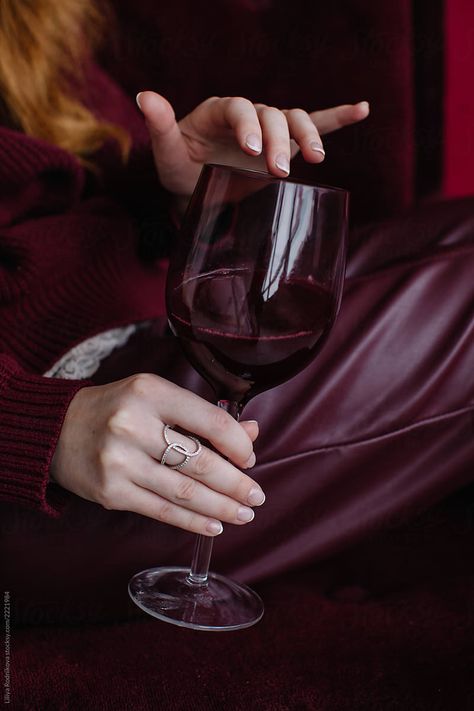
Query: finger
point(251, 427)
point(169, 403)
point(206, 466)
point(193, 414)
point(276, 140)
point(168, 146)
point(240, 115)
point(182, 489)
point(306, 135)
point(337, 117)
point(154, 506)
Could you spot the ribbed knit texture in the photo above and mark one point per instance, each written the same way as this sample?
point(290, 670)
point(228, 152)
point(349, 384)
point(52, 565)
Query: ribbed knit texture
point(69, 268)
point(31, 414)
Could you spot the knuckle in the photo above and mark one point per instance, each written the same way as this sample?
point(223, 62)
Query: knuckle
point(108, 459)
point(164, 512)
point(238, 102)
point(203, 462)
point(297, 114)
point(228, 513)
point(140, 383)
point(186, 489)
point(121, 423)
point(270, 111)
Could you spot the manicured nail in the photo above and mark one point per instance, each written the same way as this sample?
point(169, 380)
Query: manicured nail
point(256, 496)
point(365, 105)
point(282, 162)
point(253, 431)
point(245, 515)
point(137, 99)
point(317, 147)
point(250, 461)
point(254, 143)
point(214, 527)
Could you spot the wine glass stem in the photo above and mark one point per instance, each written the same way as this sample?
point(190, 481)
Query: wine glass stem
point(203, 548)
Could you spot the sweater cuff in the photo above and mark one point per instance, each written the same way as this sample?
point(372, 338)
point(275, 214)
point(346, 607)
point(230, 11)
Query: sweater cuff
point(32, 411)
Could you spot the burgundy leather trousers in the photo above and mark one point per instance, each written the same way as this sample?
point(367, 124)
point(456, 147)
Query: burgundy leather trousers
point(379, 428)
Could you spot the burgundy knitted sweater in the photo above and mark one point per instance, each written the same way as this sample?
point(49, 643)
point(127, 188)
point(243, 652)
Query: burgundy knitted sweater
point(72, 265)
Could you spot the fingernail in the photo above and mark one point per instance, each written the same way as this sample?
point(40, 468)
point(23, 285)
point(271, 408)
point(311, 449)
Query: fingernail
point(253, 431)
point(282, 163)
point(137, 99)
point(315, 146)
point(244, 514)
point(256, 496)
point(365, 104)
point(214, 527)
point(254, 143)
point(250, 461)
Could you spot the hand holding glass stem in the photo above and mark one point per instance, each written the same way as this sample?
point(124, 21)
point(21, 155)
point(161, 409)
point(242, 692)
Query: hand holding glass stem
point(254, 286)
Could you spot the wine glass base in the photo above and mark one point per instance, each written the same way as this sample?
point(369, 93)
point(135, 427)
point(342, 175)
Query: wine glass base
point(219, 605)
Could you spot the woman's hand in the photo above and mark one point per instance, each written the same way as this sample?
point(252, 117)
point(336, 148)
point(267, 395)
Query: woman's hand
point(233, 131)
point(111, 444)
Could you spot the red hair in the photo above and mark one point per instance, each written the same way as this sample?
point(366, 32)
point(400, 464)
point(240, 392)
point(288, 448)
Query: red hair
point(42, 53)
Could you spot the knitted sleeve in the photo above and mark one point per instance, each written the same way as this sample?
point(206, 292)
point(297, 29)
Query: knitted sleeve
point(67, 259)
point(32, 410)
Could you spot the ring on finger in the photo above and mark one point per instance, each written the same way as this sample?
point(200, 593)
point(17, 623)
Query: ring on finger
point(179, 448)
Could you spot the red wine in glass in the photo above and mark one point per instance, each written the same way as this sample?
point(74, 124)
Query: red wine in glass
point(254, 286)
point(262, 344)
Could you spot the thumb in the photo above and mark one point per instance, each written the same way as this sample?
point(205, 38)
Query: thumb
point(169, 148)
point(251, 427)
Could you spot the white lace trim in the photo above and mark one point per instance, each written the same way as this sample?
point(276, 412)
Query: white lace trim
point(83, 360)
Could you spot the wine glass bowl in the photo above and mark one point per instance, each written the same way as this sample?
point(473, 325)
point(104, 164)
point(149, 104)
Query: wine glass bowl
point(254, 286)
point(255, 283)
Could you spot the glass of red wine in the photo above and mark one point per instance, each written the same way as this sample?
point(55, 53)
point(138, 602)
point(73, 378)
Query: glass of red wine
point(254, 286)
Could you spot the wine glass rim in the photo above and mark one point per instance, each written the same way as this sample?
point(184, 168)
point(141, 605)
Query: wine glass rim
point(262, 175)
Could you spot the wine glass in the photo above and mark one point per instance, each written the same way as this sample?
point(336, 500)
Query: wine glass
point(253, 289)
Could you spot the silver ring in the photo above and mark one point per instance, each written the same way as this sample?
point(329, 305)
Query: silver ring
point(180, 448)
